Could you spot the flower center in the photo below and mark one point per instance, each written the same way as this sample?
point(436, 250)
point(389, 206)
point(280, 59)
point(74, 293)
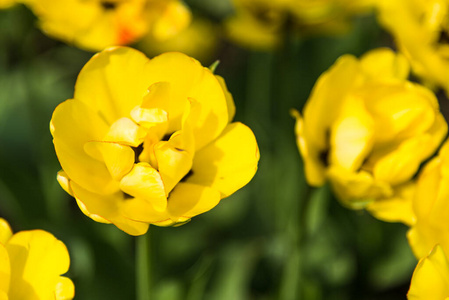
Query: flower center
point(443, 37)
point(108, 5)
point(137, 151)
point(183, 179)
point(442, 41)
point(442, 44)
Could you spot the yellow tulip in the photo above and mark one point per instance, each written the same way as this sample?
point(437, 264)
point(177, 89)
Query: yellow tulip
point(421, 30)
point(366, 129)
point(31, 264)
point(150, 141)
point(430, 278)
point(261, 24)
point(96, 24)
point(431, 206)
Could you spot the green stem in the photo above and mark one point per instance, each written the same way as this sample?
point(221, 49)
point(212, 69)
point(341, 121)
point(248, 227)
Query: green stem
point(143, 267)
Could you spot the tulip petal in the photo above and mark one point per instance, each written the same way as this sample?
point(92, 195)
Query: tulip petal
point(402, 164)
point(5, 231)
point(74, 124)
point(314, 166)
point(145, 182)
point(108, 207)
point(5, 272)
point(3, 295)
point(173, 163)
point(401, 111)
point(228, 163)
point(64, 182)
point(149, 117)
point(125, 131)
point(431, 208)
point(351, 137)
point(229, 99)
point(188, 200)
point(65, 289)
point(158, 96)
point(326, 100)
point(38, 259)
point(119, 159)
point(188, 79)
point(141, 210)
point(383, 63)
point(396, 209)
point(356, 189)
point(94, 217)
point(430, 279)
point(320, 112)
point(113, 82)
point(428, 188)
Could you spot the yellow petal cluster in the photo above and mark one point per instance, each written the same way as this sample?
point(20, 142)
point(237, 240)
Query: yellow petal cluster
point(430, 278)
point(431, 206)
point(150, 141)
point(261, 24)
point(31, 264)
point(96, 24)
point(366, 129)
point(421, 30)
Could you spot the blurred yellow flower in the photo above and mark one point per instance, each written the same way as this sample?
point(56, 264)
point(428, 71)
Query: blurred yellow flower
point(261, 24)
point(96, 24)
point(7, 3)
point(431, 206)
point(366, 129)
point(198, 40)
point(421, 30)
point(430, 278)
point(150, 141)
point(31, 263)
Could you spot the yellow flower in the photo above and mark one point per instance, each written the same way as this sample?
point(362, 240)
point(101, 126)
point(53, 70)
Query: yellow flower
point(366, 130)
point(431, 206)
point(31, 263)
point(96, 24)
point(198, 40)
point(261, 24)
point(430, 278)
point(257, 23)
point(327, 16)
point(421, 30)
point(150, 141)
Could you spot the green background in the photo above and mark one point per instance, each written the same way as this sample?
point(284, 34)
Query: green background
point(276, 238)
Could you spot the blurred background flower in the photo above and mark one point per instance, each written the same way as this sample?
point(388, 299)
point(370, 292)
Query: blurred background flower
point(421, 31)
point(367, 129)
point(94, 25)
point(267, 23)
